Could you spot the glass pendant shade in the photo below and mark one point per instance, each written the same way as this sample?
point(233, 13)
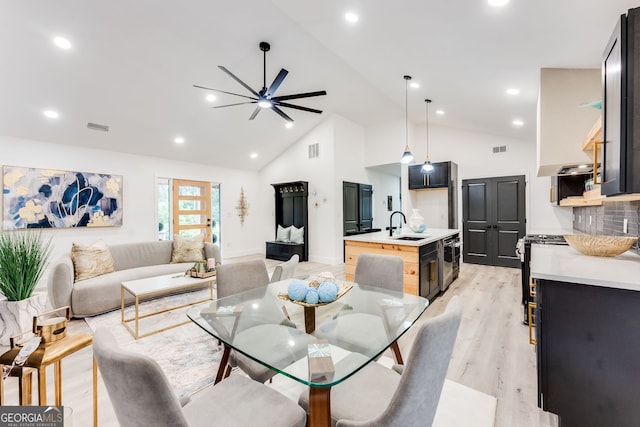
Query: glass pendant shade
point(407, 156)
point(427, 166)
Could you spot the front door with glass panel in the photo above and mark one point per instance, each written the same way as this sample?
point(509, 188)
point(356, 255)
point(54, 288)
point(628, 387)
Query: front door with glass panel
point(192, 208)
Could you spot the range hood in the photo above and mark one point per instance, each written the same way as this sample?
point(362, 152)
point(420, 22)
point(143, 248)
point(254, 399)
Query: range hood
point(577, 169)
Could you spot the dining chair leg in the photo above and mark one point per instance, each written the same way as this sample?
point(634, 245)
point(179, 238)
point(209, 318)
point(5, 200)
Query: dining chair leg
point(227, 372)
point(396, 353)
point(223, 364)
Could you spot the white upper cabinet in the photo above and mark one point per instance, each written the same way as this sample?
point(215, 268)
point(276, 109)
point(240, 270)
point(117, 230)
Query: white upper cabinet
point(562, 123)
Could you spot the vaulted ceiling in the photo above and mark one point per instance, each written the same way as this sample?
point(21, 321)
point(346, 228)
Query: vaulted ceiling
point(132, 65)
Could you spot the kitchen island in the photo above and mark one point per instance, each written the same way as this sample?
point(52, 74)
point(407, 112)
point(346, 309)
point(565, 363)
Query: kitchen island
point(587, 336)
point(423, 255)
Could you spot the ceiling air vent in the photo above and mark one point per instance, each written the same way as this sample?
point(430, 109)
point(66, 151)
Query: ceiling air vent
point(96, 126)
point(314, 150)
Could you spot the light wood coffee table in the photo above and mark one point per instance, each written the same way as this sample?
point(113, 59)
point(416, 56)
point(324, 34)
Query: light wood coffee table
point(158, 285)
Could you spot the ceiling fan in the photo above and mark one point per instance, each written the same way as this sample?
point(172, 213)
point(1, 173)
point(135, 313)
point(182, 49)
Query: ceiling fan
point(265, 97)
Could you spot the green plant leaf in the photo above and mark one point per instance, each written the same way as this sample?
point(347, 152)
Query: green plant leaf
point(23, 258)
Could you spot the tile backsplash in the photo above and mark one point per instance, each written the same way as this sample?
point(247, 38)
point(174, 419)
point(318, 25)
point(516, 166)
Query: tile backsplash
point(608, 219)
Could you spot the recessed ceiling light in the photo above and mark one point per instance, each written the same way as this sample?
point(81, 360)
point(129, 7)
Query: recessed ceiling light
point(211, 97)
point(513, 91)
point(179, 140)
point(517, 122)
point(51, 114)
point(288, 125)
point(254, 155)
point(351, 17)
point(62, 43)
point(414, 85)
point(440, 112)
point(497, 3)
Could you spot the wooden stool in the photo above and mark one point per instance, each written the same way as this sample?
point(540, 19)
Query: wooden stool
point(25, 381)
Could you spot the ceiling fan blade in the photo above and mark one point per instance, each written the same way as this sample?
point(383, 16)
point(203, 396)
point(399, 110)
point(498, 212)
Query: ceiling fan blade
point(255, 112)
point(299, 95)
point(246, 86)
point(297, 107)
point(277, 82)
point(233, 105)
point(222, 91)
point(281, 113)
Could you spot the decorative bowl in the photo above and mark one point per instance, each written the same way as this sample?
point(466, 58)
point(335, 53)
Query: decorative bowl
point(418, 228)
point(343, 290)
point(605, 246)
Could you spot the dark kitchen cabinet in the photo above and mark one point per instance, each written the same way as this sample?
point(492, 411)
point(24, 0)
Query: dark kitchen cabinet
point(439, 177)
point(588, 348)
point(429, 278)
point(621, 107)
point(357, 207)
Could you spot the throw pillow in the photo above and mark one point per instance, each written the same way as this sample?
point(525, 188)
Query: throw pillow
point(283, 234)
point(91, 260)
point(297, 234)
point(187, 250)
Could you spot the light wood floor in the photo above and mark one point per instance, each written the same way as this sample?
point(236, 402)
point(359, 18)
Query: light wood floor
point(492, 352)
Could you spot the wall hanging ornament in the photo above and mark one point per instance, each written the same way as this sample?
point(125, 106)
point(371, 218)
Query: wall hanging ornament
point(242, 207)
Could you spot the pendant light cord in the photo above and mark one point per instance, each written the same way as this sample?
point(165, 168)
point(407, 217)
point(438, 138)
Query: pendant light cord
point(427, 101)
point(406, 109)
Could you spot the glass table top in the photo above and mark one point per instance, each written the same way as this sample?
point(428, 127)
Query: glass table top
point(348, 333)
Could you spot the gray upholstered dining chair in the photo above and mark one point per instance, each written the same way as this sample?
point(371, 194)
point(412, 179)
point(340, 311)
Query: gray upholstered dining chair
point(142, 396)
point(381, 397)
point(286, 270)
point(232, 279)
point(380, 271)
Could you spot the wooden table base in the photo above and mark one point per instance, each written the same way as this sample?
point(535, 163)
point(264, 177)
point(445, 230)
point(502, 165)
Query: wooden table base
point(319, 407)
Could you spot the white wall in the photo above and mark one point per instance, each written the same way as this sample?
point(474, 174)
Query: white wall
point(139, 173)
point(294, 165)
point(384, 185)
point(473, 152)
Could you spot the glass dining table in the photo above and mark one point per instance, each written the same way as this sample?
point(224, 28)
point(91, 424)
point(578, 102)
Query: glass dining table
point(316, 345)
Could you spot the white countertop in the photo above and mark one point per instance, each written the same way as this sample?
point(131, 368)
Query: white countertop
point(429, 235)
point(563, 263)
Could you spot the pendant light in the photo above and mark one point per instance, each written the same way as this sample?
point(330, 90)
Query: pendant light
point(407, 156)
point(427, 166)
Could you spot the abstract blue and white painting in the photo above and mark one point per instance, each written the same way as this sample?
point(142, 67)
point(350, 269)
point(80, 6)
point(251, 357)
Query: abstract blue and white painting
point(47, 198)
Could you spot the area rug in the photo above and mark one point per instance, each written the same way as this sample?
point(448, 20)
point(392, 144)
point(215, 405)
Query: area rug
point(188, 356)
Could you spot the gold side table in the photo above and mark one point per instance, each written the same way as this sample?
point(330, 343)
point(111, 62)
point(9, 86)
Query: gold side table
point(53, 353)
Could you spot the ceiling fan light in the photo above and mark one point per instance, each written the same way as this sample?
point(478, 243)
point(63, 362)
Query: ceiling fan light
point(265, 104)
point(407, 156)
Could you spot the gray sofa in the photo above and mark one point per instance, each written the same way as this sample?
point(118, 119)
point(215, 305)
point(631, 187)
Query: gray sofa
point(102, 293)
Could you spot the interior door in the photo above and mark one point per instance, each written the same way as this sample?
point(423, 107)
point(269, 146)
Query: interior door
point(192, 208)
point(494, 219)
point(366, 206)
point(350, 207)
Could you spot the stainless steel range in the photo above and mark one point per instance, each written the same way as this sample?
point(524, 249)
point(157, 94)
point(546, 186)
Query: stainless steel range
point(525, 256)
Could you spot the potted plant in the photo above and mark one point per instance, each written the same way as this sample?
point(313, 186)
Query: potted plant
point(23, 257)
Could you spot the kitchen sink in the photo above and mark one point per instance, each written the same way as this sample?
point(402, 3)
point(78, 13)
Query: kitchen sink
point(412, 238)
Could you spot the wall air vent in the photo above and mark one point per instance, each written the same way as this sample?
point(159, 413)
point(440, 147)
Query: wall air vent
point(500, 149)
point(96, 126)
point(314, 150)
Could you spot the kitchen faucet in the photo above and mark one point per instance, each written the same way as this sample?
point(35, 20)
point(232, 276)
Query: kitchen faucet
point(404, 218)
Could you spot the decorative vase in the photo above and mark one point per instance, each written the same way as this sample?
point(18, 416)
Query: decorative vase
point(16, 317)
point(416, 222)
